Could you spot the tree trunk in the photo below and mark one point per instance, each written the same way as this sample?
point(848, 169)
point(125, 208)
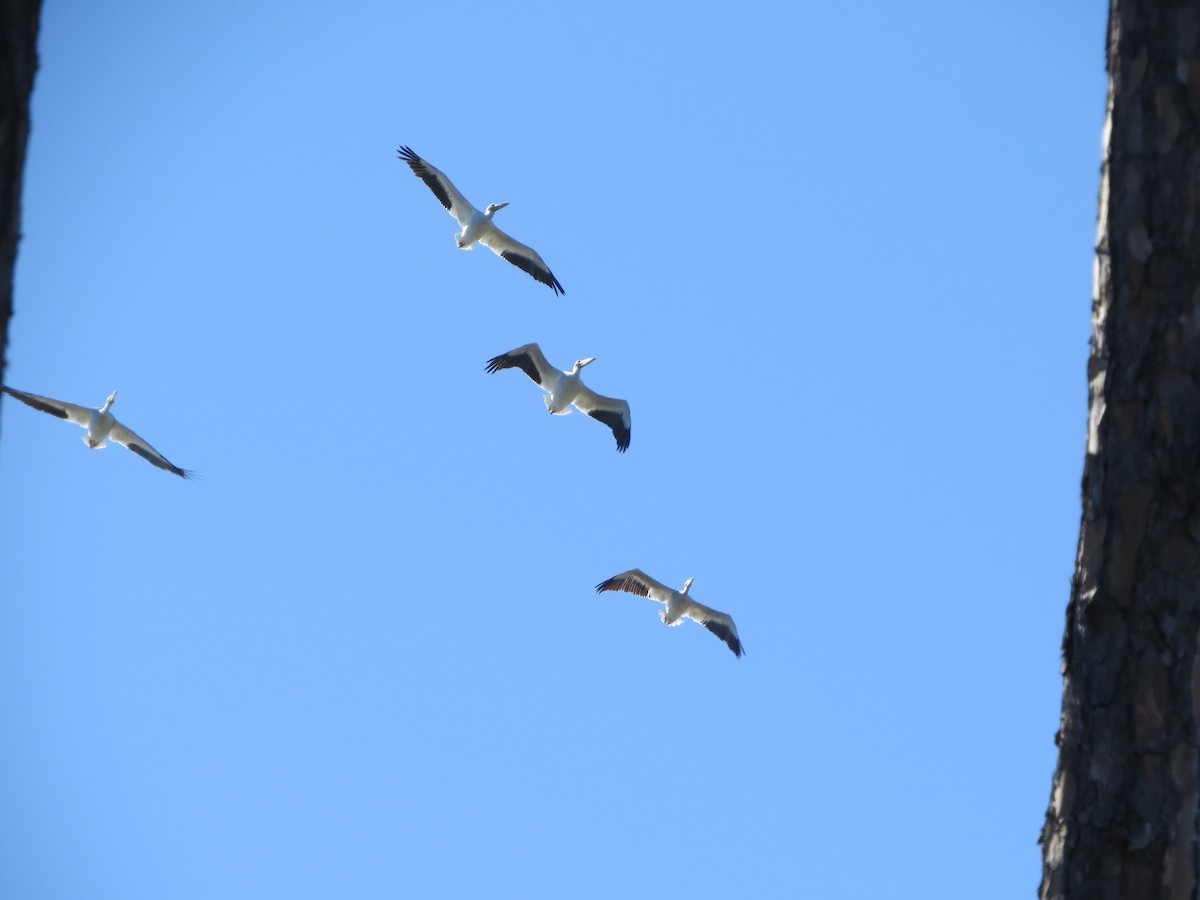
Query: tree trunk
point(1123, 809)
point(18, 63)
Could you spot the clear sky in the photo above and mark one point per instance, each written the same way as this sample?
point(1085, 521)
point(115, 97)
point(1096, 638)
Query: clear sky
point(838, 258)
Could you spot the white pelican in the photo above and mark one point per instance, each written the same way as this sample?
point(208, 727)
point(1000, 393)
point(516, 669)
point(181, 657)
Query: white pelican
point(478, 226)
point(100, 424)
point(564, 389)
point(679, 605)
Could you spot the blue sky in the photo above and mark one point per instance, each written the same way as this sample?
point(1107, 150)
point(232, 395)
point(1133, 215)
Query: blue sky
point(837, 260)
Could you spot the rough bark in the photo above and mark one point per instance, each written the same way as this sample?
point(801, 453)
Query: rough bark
point(1123, 810)
point(18, 63)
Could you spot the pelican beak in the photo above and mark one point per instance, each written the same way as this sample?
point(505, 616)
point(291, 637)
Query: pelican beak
point(587, 362)
point(499, 206)
point(112, 396)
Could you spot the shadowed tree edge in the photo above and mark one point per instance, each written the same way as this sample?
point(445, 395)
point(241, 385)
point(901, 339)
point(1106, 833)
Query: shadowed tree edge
point(18, 63)
point(1122, 815)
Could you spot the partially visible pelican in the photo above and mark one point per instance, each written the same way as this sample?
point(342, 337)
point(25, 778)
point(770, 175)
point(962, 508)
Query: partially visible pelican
point(478, 226)
point(100, 424)
point(564, 389)
point(679, 605)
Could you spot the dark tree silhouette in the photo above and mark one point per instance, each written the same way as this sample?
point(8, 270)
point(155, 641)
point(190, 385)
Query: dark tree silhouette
point(1123, 808)
point(18, 63)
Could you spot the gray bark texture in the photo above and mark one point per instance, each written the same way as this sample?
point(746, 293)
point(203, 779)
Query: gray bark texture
point(18, 62)
point(1123, 808)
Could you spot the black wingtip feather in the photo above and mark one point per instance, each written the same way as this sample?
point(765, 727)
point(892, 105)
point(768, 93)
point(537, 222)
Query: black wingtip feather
point(525, 264)
point(726, 635)
point(418, 166)
point(511, 360)
point(616, 422)
point(36, 404)
point(628, 585)
point(161, 462)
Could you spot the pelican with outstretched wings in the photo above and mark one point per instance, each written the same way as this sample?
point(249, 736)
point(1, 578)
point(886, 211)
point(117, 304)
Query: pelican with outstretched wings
point(564, 389)
point(478, 226)
point(679, 605)
point(100, 424)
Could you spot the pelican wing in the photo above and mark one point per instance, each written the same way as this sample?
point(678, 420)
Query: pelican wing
point(635, 581)
point(131, 441)
point(718, 623)
point(524, 258)
point(530, 360)
point(613, 413)
point(443, 188)
point(80, 415)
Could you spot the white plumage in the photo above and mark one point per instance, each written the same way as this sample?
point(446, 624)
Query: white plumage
point(564, 389)
point(100, 424)
point(478, 226)
point(678, 605)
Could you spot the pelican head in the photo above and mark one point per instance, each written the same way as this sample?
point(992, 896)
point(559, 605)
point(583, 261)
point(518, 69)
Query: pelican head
point(687, 586)
point(109, 401)
point(494, 208)
point(580, 363)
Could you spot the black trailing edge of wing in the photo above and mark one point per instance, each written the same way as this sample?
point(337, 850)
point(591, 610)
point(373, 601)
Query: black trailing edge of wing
point(518, 360)
point(159, 461)
point(616, 422)
point(36, 404)
point(525, 264)
point(421, 170)
point(725, 633)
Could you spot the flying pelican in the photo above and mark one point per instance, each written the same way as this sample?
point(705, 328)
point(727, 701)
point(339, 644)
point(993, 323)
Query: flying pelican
point(100, 424)
point(564, 389)
point(679, 605)
point(478, 226)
